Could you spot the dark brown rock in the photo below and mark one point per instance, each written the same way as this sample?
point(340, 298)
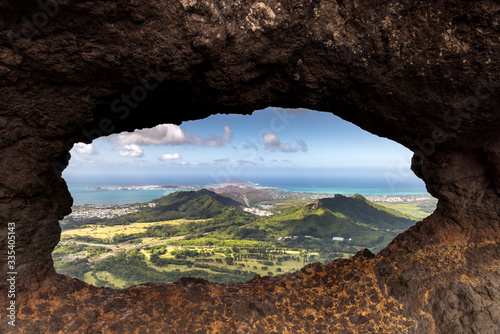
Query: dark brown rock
point(423, 74)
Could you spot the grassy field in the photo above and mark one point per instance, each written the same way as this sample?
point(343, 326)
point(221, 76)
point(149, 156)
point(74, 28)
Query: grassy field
point(415, 209)
point(106, 277)
point(213, 255)
point(110, 278)
point(89, 279)
point(106, 232)
point(243, 264)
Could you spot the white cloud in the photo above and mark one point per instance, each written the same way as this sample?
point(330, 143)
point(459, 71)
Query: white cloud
point(131, 151)
point(271, 140)
point(190, 163)
point(174, 156)
point(88, 149)
point(170, 134)
point(273, 143)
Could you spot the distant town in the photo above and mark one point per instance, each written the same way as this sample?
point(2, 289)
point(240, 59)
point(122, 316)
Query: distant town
point(174, 186)
point(276, 193)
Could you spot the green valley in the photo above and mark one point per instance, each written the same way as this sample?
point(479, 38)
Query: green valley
point(203, 234)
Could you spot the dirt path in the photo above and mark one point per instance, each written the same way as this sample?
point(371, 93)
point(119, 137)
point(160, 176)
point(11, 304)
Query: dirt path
point(245, 198)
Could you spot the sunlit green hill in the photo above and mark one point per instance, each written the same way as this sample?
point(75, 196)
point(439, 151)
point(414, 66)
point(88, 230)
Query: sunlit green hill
point(353, 218)
point(360, 210)
point(201, 204)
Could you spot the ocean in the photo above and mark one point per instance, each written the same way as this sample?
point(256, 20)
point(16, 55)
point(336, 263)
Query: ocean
point(314, 184)
point(83, 195)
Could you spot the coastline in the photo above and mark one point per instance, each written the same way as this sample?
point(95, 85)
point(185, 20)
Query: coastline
point(130, 194)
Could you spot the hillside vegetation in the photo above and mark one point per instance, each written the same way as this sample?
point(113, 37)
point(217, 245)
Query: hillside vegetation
point(201, 204)
point(208, 235)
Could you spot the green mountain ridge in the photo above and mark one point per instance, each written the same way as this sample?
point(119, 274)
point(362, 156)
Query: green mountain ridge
point(367, 224)
point(361, 210)
point(179, 199)
point(201, 204)
point(356, 218)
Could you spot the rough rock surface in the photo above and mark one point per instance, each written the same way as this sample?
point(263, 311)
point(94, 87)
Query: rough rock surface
point(424, 74)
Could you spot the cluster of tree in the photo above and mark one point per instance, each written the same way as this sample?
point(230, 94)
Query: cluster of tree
point(120, 237)
point(226, 224)
point(213, 241)
point(223, 270)
point(184, 253)
point(74, 224)
point(74, 248)
point(164, 262)
point(157, 249)
point(131, 268)
point(74, 268)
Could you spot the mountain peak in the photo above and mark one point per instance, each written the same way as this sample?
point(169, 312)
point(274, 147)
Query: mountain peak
point(359, 209)
point(359, 196)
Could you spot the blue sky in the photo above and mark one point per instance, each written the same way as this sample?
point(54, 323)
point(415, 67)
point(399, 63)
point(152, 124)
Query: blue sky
point(269, 142)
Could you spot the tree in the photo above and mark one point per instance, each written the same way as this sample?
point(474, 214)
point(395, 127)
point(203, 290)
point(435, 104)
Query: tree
point(304, 253)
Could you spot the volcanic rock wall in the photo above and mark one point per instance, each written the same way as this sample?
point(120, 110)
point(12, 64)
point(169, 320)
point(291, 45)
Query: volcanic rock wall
point(424, 74)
